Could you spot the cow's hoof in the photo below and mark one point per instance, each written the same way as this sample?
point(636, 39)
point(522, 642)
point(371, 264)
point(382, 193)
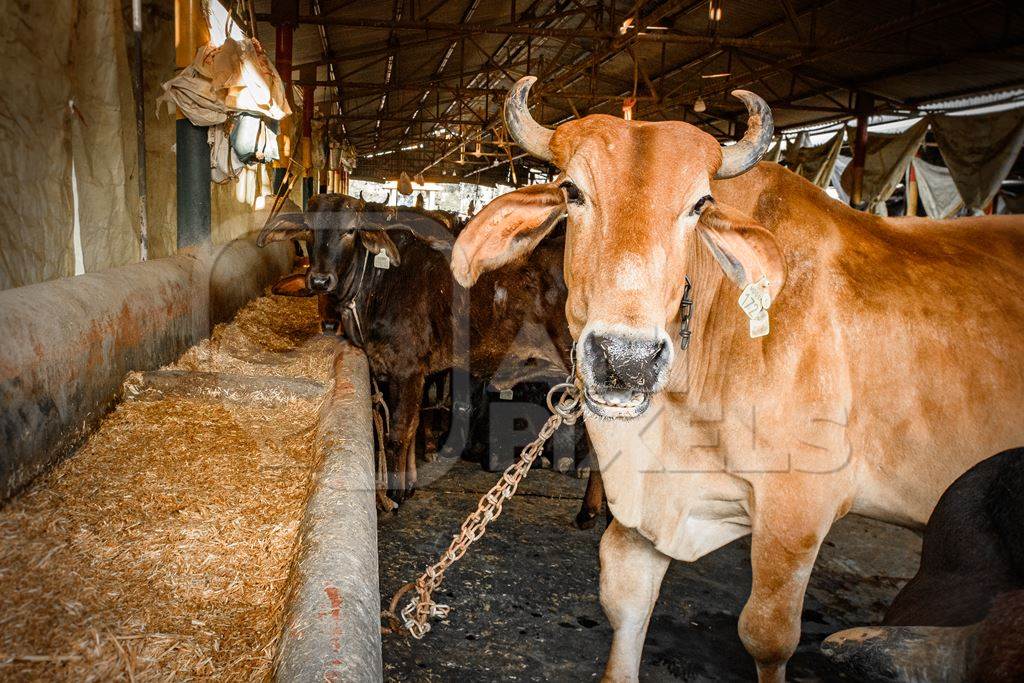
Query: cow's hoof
point(385, 504)
point(586, 519)
point(329, 326)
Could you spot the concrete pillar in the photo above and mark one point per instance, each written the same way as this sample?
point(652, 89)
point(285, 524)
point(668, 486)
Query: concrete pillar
point(192, 151)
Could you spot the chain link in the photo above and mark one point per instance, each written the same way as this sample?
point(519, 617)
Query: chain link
point(416, 615)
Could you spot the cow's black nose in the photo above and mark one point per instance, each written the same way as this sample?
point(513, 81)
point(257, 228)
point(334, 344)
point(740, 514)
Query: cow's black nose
point(625, 361)
point(322, 282)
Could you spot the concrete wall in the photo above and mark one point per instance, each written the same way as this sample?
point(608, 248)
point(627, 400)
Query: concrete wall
point(67, 344)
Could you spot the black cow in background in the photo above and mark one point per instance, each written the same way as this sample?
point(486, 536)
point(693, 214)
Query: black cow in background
point(961, 618)
point(387, 278)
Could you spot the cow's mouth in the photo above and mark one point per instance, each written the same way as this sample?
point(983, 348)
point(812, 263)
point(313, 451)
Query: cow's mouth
point(616, 404)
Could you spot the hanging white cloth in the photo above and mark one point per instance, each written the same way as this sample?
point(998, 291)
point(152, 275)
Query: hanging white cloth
point(937, 190)
point(979, 151)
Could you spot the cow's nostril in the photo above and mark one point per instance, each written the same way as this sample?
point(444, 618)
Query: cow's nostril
point(626, 361)
point(320, 282)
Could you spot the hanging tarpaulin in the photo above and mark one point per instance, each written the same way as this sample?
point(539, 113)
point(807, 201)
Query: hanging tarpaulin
point(816, 163)
point(35, 202)
point(792, 153)
point(886, 160)
point(979, 151)
point(233, 77)
point(319, 158)
point(937, 190)
point(842, 161)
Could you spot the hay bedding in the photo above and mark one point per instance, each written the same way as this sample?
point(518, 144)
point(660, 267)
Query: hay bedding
point(161, 549)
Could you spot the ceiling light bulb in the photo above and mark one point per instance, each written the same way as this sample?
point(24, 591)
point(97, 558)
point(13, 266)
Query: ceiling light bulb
point(699, 106)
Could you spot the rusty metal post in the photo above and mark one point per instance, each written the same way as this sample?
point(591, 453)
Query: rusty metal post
point(865, 105)
point(912, 191)
point(284, 15)
point(306, 147)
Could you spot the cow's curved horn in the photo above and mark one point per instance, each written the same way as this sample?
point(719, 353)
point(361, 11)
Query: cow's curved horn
point(738, 158)
point(527, 133)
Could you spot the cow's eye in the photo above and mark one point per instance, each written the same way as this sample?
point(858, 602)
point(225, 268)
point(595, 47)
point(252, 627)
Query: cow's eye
point(572, 193)
point(699, 206)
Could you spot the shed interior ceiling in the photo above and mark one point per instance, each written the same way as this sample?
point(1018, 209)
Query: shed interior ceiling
point(411, 80)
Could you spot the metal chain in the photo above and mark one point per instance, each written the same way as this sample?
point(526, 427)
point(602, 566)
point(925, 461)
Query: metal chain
point(416, 615)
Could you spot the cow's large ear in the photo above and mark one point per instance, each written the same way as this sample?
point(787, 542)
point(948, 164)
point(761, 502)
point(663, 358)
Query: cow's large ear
point(745, 250)
point(285, 226)
point(507, 228)
point(292, 285)
point(377, 241)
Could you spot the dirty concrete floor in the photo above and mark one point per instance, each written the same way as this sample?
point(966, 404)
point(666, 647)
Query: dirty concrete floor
point(524, 598)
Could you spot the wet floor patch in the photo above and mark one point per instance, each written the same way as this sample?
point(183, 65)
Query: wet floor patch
point(524, 598)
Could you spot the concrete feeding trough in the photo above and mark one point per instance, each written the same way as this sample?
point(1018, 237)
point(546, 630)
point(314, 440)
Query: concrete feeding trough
point(173, 538)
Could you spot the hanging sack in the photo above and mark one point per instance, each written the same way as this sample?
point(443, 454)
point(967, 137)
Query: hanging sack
point(253, 140)
point(404, 184)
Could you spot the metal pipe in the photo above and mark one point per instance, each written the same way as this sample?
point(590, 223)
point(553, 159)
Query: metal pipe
point(192, 151)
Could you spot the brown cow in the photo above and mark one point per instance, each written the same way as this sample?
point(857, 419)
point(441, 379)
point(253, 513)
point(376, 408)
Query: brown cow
point(893, 360)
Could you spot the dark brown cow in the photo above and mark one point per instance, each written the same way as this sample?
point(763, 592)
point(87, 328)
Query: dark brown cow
point(402, 315)
point(956, 619)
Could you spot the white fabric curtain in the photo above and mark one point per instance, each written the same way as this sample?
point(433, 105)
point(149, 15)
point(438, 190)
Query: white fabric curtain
point(979, 151)
point(936, 189)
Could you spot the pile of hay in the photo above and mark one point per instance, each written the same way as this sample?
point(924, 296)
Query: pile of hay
point(161, 550)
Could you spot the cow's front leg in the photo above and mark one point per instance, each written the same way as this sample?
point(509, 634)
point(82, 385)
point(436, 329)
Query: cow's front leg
point(407, 393)
point(784, 544)
point(631, 574)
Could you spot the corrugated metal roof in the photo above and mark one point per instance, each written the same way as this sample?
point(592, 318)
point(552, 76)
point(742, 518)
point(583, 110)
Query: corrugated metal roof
point(424, 61)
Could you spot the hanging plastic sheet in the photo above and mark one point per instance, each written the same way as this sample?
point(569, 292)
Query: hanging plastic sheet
point(233, 77)
point(842, 161)
point(816, 163)
point(35, 128)
point(979, 151)
point(886, 160)
point(103, 138)
point(937, 190)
